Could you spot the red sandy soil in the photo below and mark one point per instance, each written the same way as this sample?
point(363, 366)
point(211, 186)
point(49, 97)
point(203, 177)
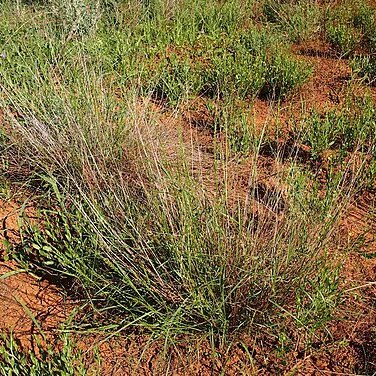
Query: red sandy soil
point(19, 289)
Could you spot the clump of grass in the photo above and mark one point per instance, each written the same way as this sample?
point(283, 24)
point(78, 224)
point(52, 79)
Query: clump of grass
point(147, 244)
point(300, 20)
point(154, 251)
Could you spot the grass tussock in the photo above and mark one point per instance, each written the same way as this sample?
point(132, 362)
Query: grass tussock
point(141, 225)
point(154, 250)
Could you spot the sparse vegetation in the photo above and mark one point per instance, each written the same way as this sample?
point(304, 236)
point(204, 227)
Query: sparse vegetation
point(300, 20)
point(151, 230)
point(351, 27)
point(14, 361)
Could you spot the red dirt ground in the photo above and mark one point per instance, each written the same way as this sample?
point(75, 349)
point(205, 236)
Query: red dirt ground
point(19, 289)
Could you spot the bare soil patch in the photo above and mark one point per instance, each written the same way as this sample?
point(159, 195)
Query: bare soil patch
point(21, 292)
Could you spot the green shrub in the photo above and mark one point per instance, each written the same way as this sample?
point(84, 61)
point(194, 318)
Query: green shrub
point(255, 63)
point(351, 27)
point(235, 72)
point(301, 20)
point(178, 78)
point(365, 67)
point(15, 361)
point(343, 38)
point(241, 134)
point(284, 74)
point(351, 128)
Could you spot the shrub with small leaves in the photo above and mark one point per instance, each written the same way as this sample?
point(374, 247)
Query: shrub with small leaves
point(15, 361)
point(351, 27)
point(301, 19)
point(343, 38)
point(76, 17)
point(365, 67)
point(256, 63)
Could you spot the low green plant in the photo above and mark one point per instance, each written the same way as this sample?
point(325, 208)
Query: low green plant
point(351, 27)
point(352, 128)
point(178, 79)
point(344, 38)
point(301, 20)
point(256, 63)
point(241, 134)
point(16, 361)
point(283, 75)
point(232, 119)
point(365, 67)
